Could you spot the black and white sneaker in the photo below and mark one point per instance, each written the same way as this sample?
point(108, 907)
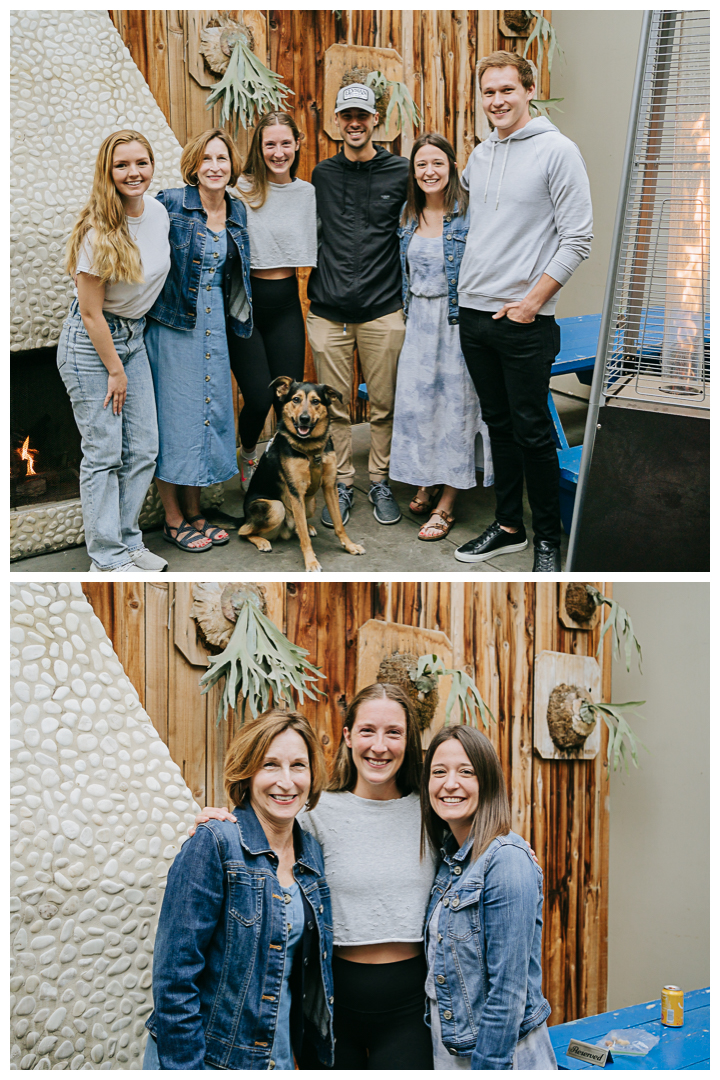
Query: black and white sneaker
point(345, 498)
point(494, 541)
point(547, 558)
point(386, 511)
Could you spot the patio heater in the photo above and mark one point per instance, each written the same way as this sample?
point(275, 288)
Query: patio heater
point(643, 497)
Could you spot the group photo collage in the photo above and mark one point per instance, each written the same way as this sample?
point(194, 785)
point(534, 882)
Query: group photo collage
point(400, 320)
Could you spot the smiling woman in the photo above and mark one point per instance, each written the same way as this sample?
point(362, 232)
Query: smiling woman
point(246, 918)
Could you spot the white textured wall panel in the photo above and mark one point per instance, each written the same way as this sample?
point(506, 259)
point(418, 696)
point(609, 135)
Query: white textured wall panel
point(73, 82)
point(98, 812)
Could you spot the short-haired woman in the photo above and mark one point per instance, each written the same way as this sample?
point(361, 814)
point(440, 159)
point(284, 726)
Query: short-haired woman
point(484, 921)
point(242, 971)
point(119, 255)
point(437, 411)
point(369, 826)
point(281, 222)
point(206, 301)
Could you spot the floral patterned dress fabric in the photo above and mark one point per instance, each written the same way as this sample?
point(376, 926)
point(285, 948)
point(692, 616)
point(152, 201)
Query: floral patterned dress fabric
point(437, 420)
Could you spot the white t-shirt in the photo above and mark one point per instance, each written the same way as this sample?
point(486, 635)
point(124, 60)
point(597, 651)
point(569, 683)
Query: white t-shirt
point(150, 232)
point(283, 232)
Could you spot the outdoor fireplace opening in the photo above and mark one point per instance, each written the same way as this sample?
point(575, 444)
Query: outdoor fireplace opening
point(44, 440)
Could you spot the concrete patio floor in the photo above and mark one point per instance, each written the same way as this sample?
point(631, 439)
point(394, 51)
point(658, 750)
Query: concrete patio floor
point(389, 548)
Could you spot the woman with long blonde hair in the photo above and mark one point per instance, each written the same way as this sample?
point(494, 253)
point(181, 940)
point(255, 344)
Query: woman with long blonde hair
point(118, 255)
point(281, 223)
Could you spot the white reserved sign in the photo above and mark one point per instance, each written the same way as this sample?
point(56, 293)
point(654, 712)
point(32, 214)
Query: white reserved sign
point(583, 1051)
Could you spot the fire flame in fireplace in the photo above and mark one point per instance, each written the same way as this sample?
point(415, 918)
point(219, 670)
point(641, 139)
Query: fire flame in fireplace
point(26, 455)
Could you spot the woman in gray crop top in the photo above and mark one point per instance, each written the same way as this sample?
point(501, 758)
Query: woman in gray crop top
point(281, 224)
point(369, 826)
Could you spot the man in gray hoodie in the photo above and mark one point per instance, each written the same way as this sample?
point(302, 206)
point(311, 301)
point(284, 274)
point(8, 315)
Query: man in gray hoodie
point(530, 228)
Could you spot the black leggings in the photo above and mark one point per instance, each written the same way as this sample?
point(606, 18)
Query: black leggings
point(275, 347)
point(379, 1015)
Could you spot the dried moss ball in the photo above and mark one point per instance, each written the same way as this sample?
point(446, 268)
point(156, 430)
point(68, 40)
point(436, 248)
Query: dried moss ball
point(579, 603)
point(397, 669)
point(567, 729)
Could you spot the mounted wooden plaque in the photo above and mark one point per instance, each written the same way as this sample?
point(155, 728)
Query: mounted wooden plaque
point(552, 669)
point(342, 58)
point(378, 639)
point(573, 618)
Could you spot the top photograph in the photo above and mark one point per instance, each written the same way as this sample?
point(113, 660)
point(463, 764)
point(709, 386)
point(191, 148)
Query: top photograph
point(360, 292)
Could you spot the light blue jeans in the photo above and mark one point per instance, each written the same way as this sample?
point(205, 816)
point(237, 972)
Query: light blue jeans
point(119, 452)
point(152, 1061)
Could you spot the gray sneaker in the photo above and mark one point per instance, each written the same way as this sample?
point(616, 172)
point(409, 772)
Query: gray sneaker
point(147, 560)
point(345, 498)
point(124, 568)
point(386, 511)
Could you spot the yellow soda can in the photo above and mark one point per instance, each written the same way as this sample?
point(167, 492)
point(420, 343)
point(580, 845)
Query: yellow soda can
point(672, 1006)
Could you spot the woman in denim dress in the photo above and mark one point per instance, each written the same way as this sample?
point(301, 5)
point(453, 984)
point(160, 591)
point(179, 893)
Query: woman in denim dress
point(119, 256)
point(437, 411)
point(483, 932)
point(242, 973)
point(206, 298)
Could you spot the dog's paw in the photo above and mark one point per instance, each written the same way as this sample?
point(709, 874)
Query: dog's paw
point(313, 567)
point(354, 549)
point(312, 530)
point(262, 544)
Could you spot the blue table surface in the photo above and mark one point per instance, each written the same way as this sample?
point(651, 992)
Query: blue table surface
point(687, 1047)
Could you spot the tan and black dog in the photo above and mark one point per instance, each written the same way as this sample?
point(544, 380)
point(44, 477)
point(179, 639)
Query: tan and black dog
point(281, 494)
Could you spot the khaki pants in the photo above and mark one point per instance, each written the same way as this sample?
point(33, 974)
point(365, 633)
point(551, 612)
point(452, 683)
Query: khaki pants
point(379, 343)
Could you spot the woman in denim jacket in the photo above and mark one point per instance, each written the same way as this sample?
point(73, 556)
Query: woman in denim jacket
point(206, 298)
point(483, 932)
point(242, 962)
point(437, 412)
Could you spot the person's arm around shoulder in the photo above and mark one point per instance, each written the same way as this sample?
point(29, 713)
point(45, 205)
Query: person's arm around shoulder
point(509, 899)
point(91, 294)
point(192, 906)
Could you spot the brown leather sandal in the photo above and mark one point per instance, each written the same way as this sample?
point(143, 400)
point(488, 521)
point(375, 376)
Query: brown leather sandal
point(444, 526)
point(422, 506)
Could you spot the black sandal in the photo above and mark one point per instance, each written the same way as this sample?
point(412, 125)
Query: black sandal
point(184, 536)
point(210, 530)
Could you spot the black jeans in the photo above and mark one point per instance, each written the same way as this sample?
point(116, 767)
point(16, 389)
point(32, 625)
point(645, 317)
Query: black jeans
point(276, 347)
point(510, 363)
point(379, 1015)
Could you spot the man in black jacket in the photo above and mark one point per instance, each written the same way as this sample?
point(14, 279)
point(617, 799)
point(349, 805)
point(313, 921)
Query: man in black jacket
point(356, 290)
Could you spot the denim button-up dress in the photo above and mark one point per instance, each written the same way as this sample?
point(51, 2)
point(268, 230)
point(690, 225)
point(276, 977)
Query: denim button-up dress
point(205, 297)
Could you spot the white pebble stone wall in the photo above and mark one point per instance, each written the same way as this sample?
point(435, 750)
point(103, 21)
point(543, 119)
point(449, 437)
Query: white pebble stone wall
point(35, 530)
point(73, 82)
point(98, 812)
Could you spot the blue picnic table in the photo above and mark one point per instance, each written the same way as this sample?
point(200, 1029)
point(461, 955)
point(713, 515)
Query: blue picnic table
point(686, 1047)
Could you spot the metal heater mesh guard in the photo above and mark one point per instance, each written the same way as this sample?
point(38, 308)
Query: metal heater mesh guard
point(658, 346)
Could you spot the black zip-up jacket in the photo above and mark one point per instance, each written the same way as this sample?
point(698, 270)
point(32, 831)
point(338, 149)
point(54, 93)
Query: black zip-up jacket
point(358, 277)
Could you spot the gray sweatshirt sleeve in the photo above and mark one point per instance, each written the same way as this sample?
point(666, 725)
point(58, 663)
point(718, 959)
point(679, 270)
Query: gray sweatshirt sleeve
point(569, 189)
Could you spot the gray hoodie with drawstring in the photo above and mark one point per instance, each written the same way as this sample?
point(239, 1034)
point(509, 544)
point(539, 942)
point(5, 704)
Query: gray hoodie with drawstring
point(530, 214)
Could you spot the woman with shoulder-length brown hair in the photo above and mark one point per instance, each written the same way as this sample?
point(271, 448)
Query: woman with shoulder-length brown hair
point(242, 974)
point(369, 826)
point(206, 301)
point(483, 930)
point(281, 222)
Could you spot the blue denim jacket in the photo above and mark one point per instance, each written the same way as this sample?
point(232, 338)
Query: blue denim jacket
point(455, 230)
point(177, 303)
point(220, 949)
point(487, 972)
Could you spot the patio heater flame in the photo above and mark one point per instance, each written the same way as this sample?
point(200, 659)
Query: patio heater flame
point(683, 351)
point(27, 455)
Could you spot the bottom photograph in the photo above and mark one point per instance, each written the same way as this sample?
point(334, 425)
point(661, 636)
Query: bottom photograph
point(359, 825)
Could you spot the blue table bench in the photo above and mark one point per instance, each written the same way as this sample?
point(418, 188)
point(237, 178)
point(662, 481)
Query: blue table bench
point(687, 1047)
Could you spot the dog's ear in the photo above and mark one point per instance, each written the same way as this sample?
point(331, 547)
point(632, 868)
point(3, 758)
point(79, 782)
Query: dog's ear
point(281, 385)
point(331, 392)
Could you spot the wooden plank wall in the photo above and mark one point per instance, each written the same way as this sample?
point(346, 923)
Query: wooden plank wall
point(561, 807)
point(440, 50)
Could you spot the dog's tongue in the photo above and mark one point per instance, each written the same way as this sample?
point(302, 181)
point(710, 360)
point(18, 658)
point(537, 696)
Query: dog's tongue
point(303, 431)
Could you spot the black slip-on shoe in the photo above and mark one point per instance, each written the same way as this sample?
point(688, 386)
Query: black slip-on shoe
point(494, 541)
point(547, 558)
